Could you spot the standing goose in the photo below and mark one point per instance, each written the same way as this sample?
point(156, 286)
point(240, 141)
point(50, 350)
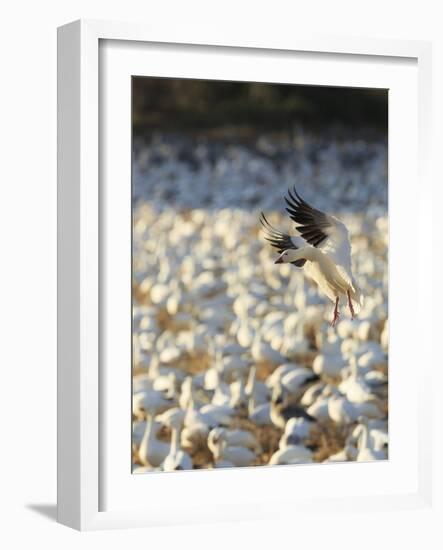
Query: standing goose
point(322, 248)
point(152, 451)
point(177, 459)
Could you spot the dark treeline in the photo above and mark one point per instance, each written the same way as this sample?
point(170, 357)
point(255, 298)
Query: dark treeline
point(180, 105)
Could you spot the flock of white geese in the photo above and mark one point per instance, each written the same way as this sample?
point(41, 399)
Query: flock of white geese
point(252, 383)
point(204, 413)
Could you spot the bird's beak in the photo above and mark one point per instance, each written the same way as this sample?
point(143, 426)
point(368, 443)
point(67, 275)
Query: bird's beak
point(279, 260)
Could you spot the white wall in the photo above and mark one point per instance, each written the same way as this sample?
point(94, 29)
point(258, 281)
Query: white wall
point(28, 246)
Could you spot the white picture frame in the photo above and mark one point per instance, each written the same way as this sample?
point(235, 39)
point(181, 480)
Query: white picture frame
point(81, 413)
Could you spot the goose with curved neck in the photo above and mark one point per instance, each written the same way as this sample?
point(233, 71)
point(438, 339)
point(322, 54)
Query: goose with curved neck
point(177, 459)
point(152, 452)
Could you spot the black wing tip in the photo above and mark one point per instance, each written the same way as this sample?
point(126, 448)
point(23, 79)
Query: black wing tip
point(263, 219)
point(292, 196)
point(269, 231)
point(295, 202)
point(298, 196)
point(297, 199)
point(274, 237)
point(267, 227)
point(292, 214)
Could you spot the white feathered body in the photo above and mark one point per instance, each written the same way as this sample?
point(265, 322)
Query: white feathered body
point(322, 270)
point(329, 265)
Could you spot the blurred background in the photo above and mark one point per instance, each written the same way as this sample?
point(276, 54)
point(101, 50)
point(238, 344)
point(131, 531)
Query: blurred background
point(219, 331)
point(177, 105)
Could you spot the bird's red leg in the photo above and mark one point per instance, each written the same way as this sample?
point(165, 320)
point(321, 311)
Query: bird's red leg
point(336, 313)
point(351, 307)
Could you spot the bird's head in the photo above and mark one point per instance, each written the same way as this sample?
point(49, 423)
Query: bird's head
point(284, 258)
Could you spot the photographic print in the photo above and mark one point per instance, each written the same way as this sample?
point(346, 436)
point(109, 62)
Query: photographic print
point(259, 274)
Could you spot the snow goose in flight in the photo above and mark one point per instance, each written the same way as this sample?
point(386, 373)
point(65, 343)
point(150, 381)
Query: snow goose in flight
point(322, 248)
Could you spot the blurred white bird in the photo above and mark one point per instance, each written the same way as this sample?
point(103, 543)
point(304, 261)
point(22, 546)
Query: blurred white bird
point(218, 443)
point(152, 451)
point(322, 248)
point(296, 430)
point(366, 447)
point(177, 459)
point(292, 454)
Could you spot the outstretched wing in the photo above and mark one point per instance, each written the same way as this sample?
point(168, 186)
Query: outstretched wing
point(322, 231)
point(280, 241)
